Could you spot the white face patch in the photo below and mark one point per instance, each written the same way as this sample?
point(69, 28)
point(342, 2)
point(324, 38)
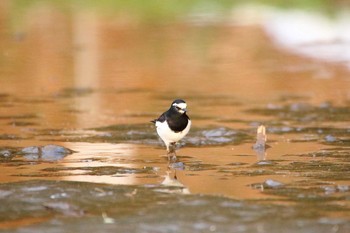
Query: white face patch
point(182, 107)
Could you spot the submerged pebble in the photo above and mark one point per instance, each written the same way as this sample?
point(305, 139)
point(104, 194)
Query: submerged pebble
point(216, 136)
point(282, 129)
point(329, 190)
point(46, 153)
point(30, 150)
point(177, 165)
point(343, 188)
point(269, 183)
point(65, 208)
point(330, 138)
point(5, 153)
point(5, 193)
point(265, 163)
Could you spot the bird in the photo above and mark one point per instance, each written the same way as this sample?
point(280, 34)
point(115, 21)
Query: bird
point(173, 125)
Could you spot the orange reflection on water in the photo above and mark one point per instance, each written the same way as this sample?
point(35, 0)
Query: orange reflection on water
point(78, 70)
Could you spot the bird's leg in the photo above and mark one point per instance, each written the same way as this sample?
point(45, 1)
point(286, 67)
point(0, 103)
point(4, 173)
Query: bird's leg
point(172, 147)
point(171, 151)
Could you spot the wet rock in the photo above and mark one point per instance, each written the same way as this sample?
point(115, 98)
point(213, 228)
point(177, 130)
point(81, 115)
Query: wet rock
point(198, 166)
point(343, 188)
point(330, 138)
point(65, 208)
point(267, 184)
point(216, 136)
point(54, 149)
point(336, 188)
point(265, 163)
point(177, 165)
point(329, 190)
point(272, 184)
point(34, 188)
point(4, 193)
point(31, 150)
point(46, 153)
point(5, 153)
point(281, 129)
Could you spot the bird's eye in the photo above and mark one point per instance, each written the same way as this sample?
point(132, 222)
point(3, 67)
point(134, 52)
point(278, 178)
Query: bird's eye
point(178, 108)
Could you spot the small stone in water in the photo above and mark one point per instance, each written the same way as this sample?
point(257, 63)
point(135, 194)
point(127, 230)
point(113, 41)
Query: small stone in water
point(272, 183)
point(5, 153)
point(330, 138)
point(65, 208)
point(48, 152)
point(30, 150)
point(265, 162)
point(343, 188)
point(177, 165)
point(56, 149)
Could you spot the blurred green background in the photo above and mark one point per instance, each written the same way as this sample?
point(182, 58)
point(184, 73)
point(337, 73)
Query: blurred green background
point(173, 10)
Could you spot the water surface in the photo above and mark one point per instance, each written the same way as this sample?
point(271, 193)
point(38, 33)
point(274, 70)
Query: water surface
point(91, 83)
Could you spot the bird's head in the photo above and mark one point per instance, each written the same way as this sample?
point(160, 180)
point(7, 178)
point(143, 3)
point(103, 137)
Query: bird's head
point(179, 105)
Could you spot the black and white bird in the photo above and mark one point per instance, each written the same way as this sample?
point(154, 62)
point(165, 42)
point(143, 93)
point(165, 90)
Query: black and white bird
point(173, 125)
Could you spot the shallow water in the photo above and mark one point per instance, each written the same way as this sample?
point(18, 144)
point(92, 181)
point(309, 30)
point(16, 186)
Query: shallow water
point(89, 83)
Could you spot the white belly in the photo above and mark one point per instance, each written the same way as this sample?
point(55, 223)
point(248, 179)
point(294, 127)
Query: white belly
point(167, 135)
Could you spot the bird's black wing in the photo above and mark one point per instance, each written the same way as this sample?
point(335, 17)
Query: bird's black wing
point(162, 118)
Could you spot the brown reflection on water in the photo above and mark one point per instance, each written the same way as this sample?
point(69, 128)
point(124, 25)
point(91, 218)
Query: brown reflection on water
point(79, 69)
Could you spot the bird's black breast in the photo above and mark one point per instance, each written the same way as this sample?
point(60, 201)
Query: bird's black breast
point(177, 122)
